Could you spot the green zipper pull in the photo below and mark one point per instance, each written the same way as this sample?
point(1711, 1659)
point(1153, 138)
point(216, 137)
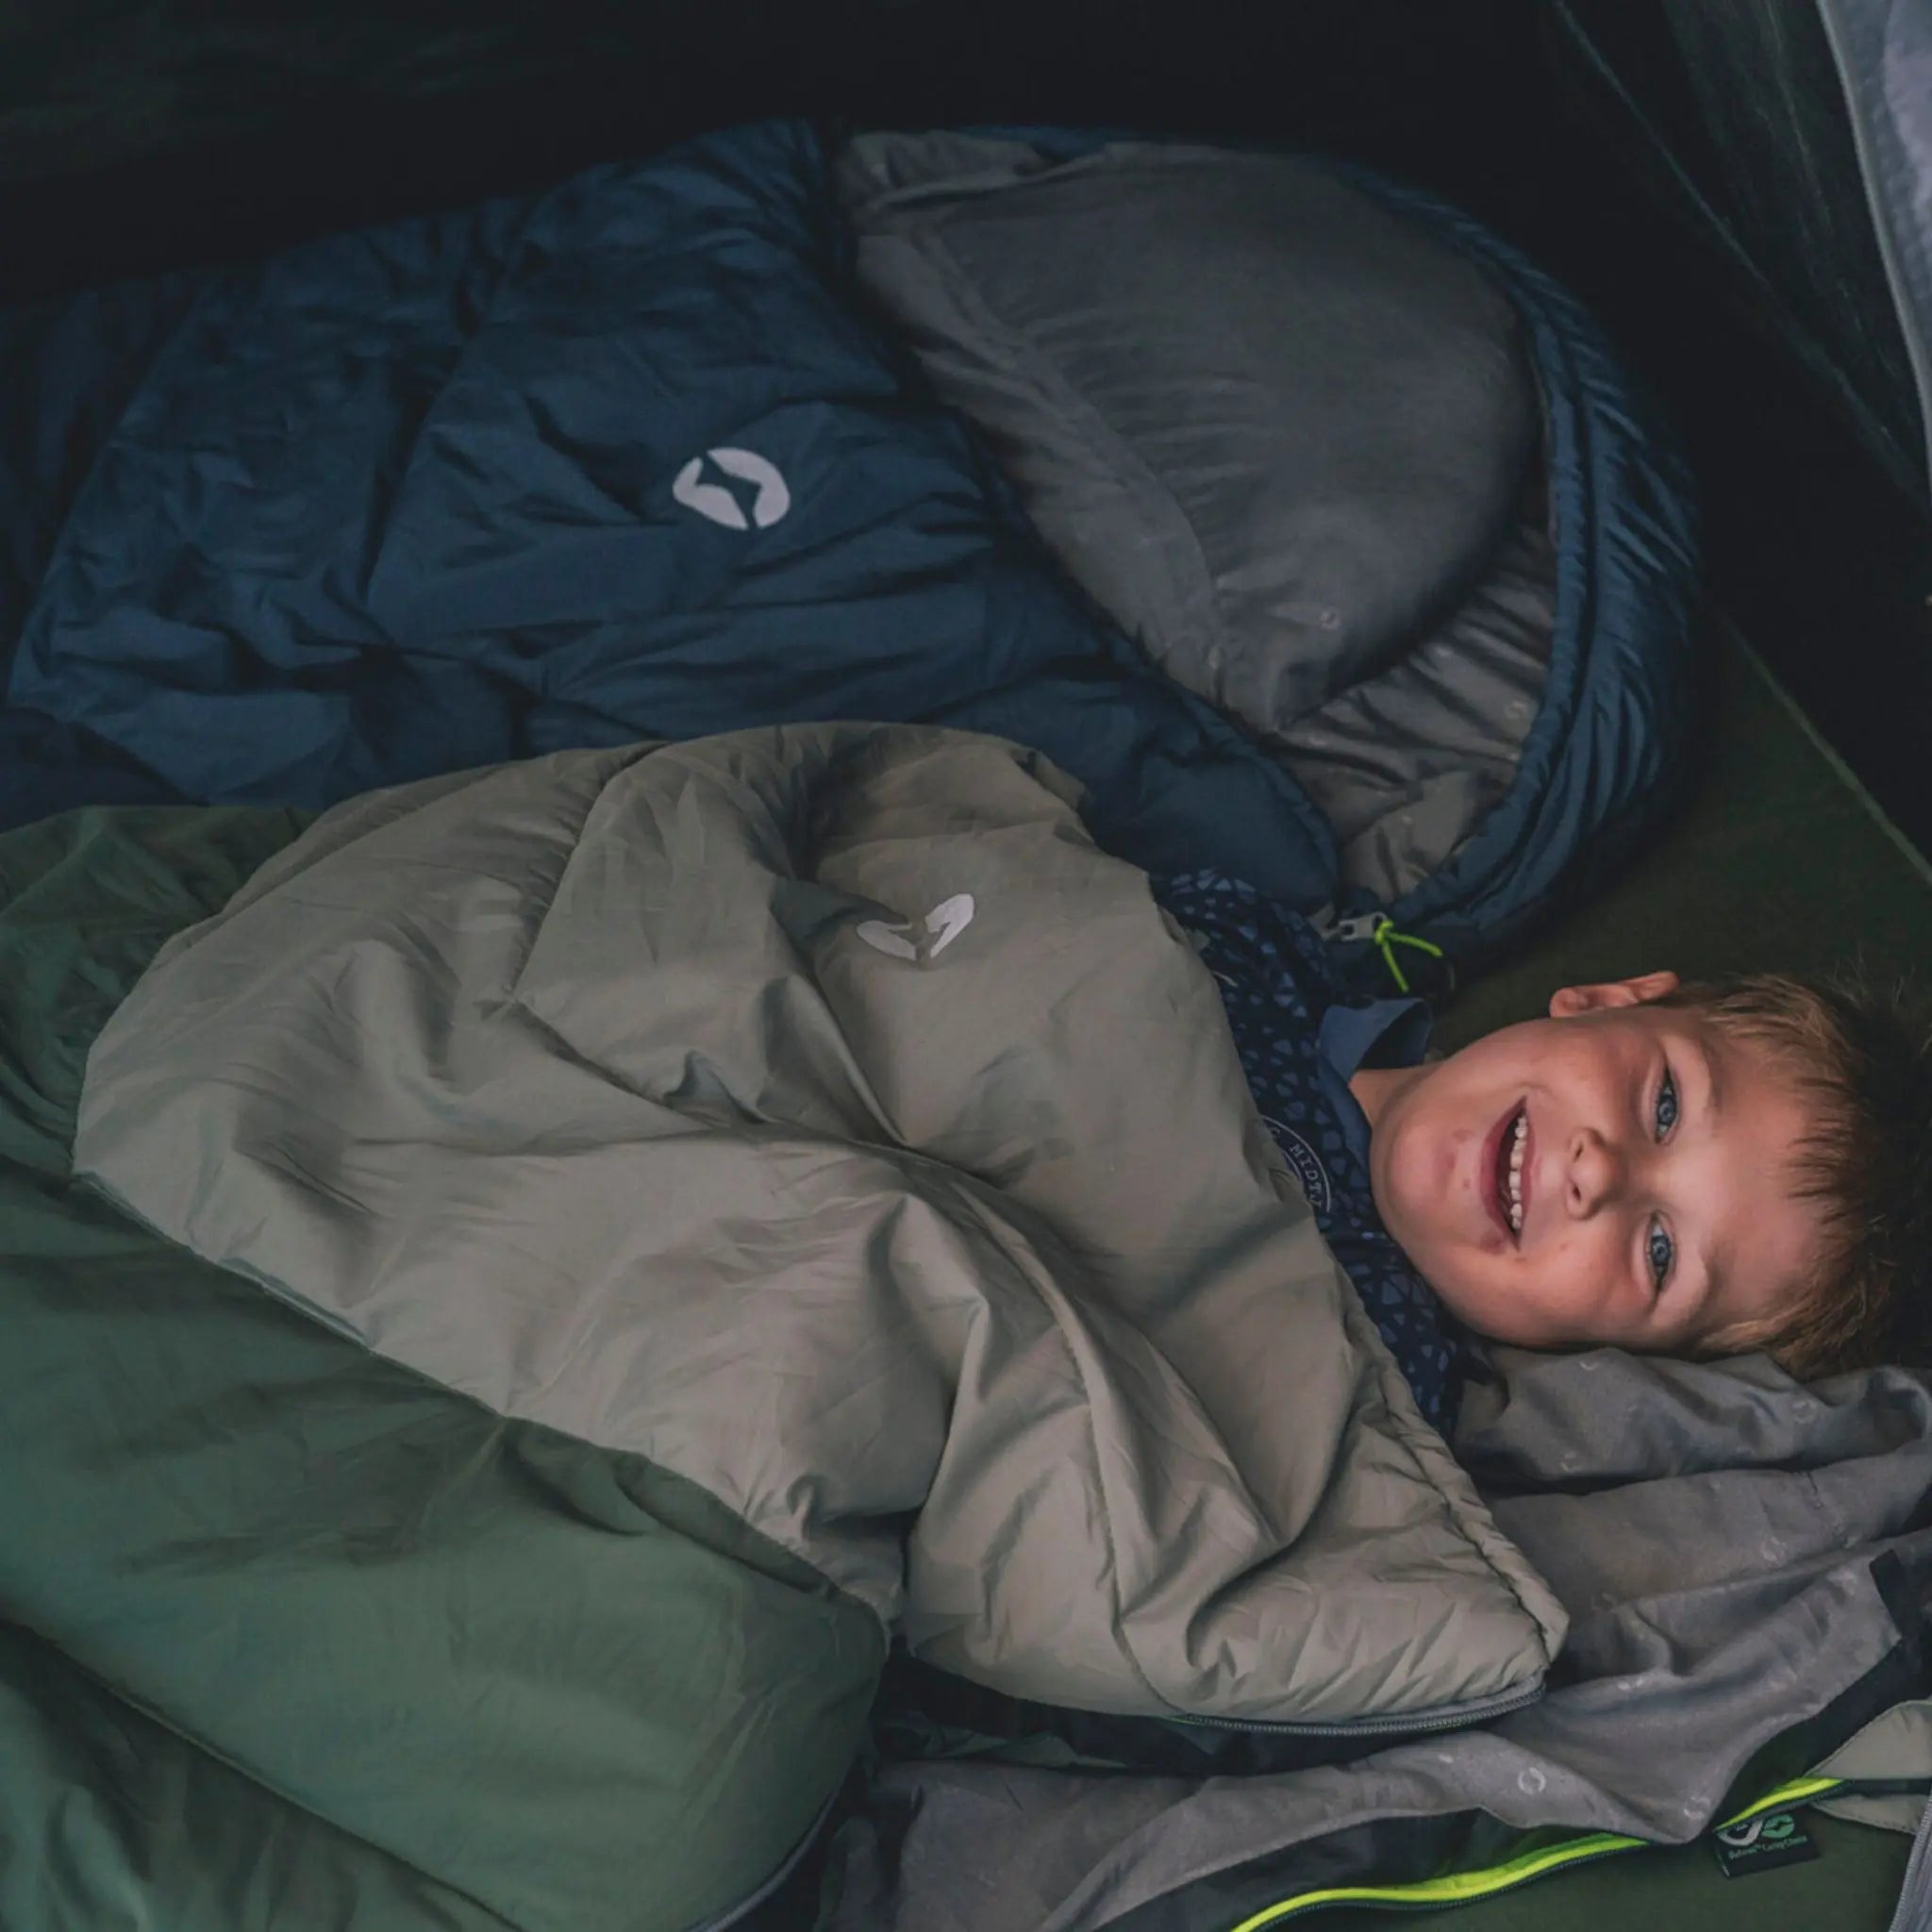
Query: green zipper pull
point(1387, 938)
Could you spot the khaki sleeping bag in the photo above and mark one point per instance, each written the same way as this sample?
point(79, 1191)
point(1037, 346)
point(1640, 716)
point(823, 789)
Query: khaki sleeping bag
point(820, 1115)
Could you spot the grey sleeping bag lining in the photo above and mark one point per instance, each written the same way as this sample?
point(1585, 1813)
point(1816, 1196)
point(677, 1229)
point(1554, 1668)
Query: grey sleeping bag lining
point(1315, 499)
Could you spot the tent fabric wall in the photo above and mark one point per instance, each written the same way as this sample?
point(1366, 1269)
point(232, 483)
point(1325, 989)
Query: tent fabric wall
point(1748, 106)
point(1884, 63)
point(1818, 537)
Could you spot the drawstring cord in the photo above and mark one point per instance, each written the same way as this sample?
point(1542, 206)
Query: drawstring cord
point(1385, 937)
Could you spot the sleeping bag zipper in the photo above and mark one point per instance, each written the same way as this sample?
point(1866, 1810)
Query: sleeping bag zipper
point(1462, 1888)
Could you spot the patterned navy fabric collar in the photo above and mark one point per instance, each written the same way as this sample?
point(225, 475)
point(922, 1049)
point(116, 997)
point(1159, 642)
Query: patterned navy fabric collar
point(1299, 1042)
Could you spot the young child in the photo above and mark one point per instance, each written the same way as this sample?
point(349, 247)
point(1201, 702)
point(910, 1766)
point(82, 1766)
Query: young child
point(1688, 1170)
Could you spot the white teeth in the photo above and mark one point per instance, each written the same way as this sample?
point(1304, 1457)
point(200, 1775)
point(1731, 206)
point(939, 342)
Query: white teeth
point(1518, 1135)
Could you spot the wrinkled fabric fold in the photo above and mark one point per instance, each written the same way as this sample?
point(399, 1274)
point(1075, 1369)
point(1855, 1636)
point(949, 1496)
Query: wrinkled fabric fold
point(820, 1114)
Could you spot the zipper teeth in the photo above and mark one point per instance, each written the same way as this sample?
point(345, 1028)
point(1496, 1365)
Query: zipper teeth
point(1454, 1718)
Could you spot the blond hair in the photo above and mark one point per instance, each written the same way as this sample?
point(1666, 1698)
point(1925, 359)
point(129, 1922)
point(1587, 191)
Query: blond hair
point(1860, 1060)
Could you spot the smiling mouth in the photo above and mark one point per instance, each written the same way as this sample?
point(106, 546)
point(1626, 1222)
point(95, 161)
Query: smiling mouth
point(1505, 1181)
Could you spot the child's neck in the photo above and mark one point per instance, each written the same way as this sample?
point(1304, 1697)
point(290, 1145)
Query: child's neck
point(1374, 1087)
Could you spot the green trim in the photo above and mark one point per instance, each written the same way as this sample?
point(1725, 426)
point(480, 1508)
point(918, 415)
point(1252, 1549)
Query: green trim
point(1461, 1888)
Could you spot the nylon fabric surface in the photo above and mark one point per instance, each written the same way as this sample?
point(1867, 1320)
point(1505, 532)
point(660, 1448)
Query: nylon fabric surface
point(1276, 428)
point(1750, 1577)
point(316, 1643)
point(615, 461)
point(631, 457)
point(1273, 489)
point(757, 1106)
point(1608, 1470)
point(1502, 809)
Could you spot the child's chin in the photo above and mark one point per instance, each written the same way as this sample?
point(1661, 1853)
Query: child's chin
point(1452, 1296)
point(1411, 1204)
point(1462, 1292)
point(1432, 1259)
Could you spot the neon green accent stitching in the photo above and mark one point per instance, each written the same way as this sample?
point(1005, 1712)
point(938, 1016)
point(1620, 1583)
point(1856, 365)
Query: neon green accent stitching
point(1796, 1793)
point(1457, 1889)
point(1387, 938)
point(1461, 1887)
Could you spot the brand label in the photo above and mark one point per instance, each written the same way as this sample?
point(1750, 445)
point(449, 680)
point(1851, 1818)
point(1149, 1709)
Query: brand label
point(1759, 1845)
point(922, 939)
point(753, 492)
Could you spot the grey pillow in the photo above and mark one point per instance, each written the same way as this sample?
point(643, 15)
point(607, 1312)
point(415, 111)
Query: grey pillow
point(1274, 427)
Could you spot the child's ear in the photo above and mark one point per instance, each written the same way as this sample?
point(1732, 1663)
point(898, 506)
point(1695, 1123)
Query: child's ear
point(1567, 1002)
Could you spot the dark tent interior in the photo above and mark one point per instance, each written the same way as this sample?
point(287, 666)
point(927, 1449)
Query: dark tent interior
point(1693, 177)
point(1690, 170)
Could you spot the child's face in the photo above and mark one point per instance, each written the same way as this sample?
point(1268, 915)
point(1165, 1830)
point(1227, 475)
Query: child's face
point(1655, 1153)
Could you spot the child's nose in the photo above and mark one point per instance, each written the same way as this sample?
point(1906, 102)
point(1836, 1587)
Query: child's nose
point(1597, 1171)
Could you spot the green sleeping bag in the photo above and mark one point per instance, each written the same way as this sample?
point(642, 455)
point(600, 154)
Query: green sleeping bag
point(333, 1647)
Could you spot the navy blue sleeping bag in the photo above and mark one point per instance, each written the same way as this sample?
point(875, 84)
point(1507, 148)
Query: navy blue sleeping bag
point(629, 457)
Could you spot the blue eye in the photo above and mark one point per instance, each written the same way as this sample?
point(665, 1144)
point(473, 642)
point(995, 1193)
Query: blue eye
point(1666, 1105)
point(1661, 1251)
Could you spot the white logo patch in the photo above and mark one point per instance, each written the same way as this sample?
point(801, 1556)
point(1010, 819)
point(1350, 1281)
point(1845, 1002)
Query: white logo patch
point(923, 940)
point(1740, 1837)
point(722, 505)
